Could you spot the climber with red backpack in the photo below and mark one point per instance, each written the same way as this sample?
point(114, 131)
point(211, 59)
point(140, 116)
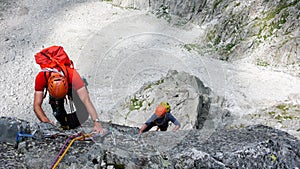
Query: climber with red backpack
point(64, 84)
point(161, 119)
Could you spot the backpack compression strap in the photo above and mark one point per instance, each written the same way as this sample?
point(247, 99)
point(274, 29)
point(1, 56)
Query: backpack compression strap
point(61, 66)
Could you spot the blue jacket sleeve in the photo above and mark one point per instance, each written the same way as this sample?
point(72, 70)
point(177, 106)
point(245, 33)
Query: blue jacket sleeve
point(173, 119)
point(151, 119)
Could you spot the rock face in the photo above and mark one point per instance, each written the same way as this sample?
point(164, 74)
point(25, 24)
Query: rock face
point(268, 31)
point(193, 104)
point(9, 128)
point(251, 147)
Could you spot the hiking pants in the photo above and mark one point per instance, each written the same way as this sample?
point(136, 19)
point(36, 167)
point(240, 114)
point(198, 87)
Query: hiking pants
point(67, 121)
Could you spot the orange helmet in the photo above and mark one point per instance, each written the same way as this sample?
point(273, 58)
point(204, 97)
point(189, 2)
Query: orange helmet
point(57, 85)
point(160, 110)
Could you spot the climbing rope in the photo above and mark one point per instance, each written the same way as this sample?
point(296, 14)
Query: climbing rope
point(61, 150)
point(97, 138)
point(69, 146)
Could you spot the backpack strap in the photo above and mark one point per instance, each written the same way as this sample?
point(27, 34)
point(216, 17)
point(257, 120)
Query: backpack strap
point(45, 92)
point(46, 79)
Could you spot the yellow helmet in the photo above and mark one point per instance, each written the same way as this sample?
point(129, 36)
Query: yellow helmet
point(166, 104)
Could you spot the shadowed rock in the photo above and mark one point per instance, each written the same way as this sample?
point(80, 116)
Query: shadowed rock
point(250, 147)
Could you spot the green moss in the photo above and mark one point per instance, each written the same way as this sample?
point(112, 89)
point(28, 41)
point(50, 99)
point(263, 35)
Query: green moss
point(188, 47)
point(148, 87)
point(162, 12)
point(216, 3)
point(278, 118)
point(224, 58)
point(260, 62)
point(288, 117)
point(229, 46)
point(150, 103)
point(131, 108)
point(128, 113)
point(135, 104)
point(272, 13)
point(159, 82)
point(165, 163)
point(239, 126)
point(278, 24)
point(119, 166)
point(121, 7)
point(282, 107)
point(213, 37)
point(273, 157)
point(192, 46)
point(238, 4)
point(217, 40)
point(257, 115)
point(210, 35)
point(271, 113)
point(155, 83)
point(187, 116)
point(268, 27)
point(298, 129)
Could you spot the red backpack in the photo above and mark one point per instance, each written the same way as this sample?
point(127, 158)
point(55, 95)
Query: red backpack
point(52, 57)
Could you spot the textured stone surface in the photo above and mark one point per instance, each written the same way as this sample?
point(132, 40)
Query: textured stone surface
point(263, 32)
point(250, 147)
point(236, 29)
point(191, 103)
point(9, 128)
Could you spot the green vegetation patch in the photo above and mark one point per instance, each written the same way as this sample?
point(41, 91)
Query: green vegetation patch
point(119, 166)
point(282, 107)
point(218, 36)
point(267, 28)
point(273, 157)
point(260, 62)
point(272, 113)
point(163, 12)
point(149, 86)
point(216, 3)
point(237, 126)
point(135, 104)
point(192, 46)
point(283, 112)
point(159, 82)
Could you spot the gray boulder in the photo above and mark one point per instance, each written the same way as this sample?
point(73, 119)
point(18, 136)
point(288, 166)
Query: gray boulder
point(193, 104)
point(10, 127)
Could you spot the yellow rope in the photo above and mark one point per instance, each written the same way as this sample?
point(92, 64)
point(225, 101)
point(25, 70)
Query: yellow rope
point(69, 146)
